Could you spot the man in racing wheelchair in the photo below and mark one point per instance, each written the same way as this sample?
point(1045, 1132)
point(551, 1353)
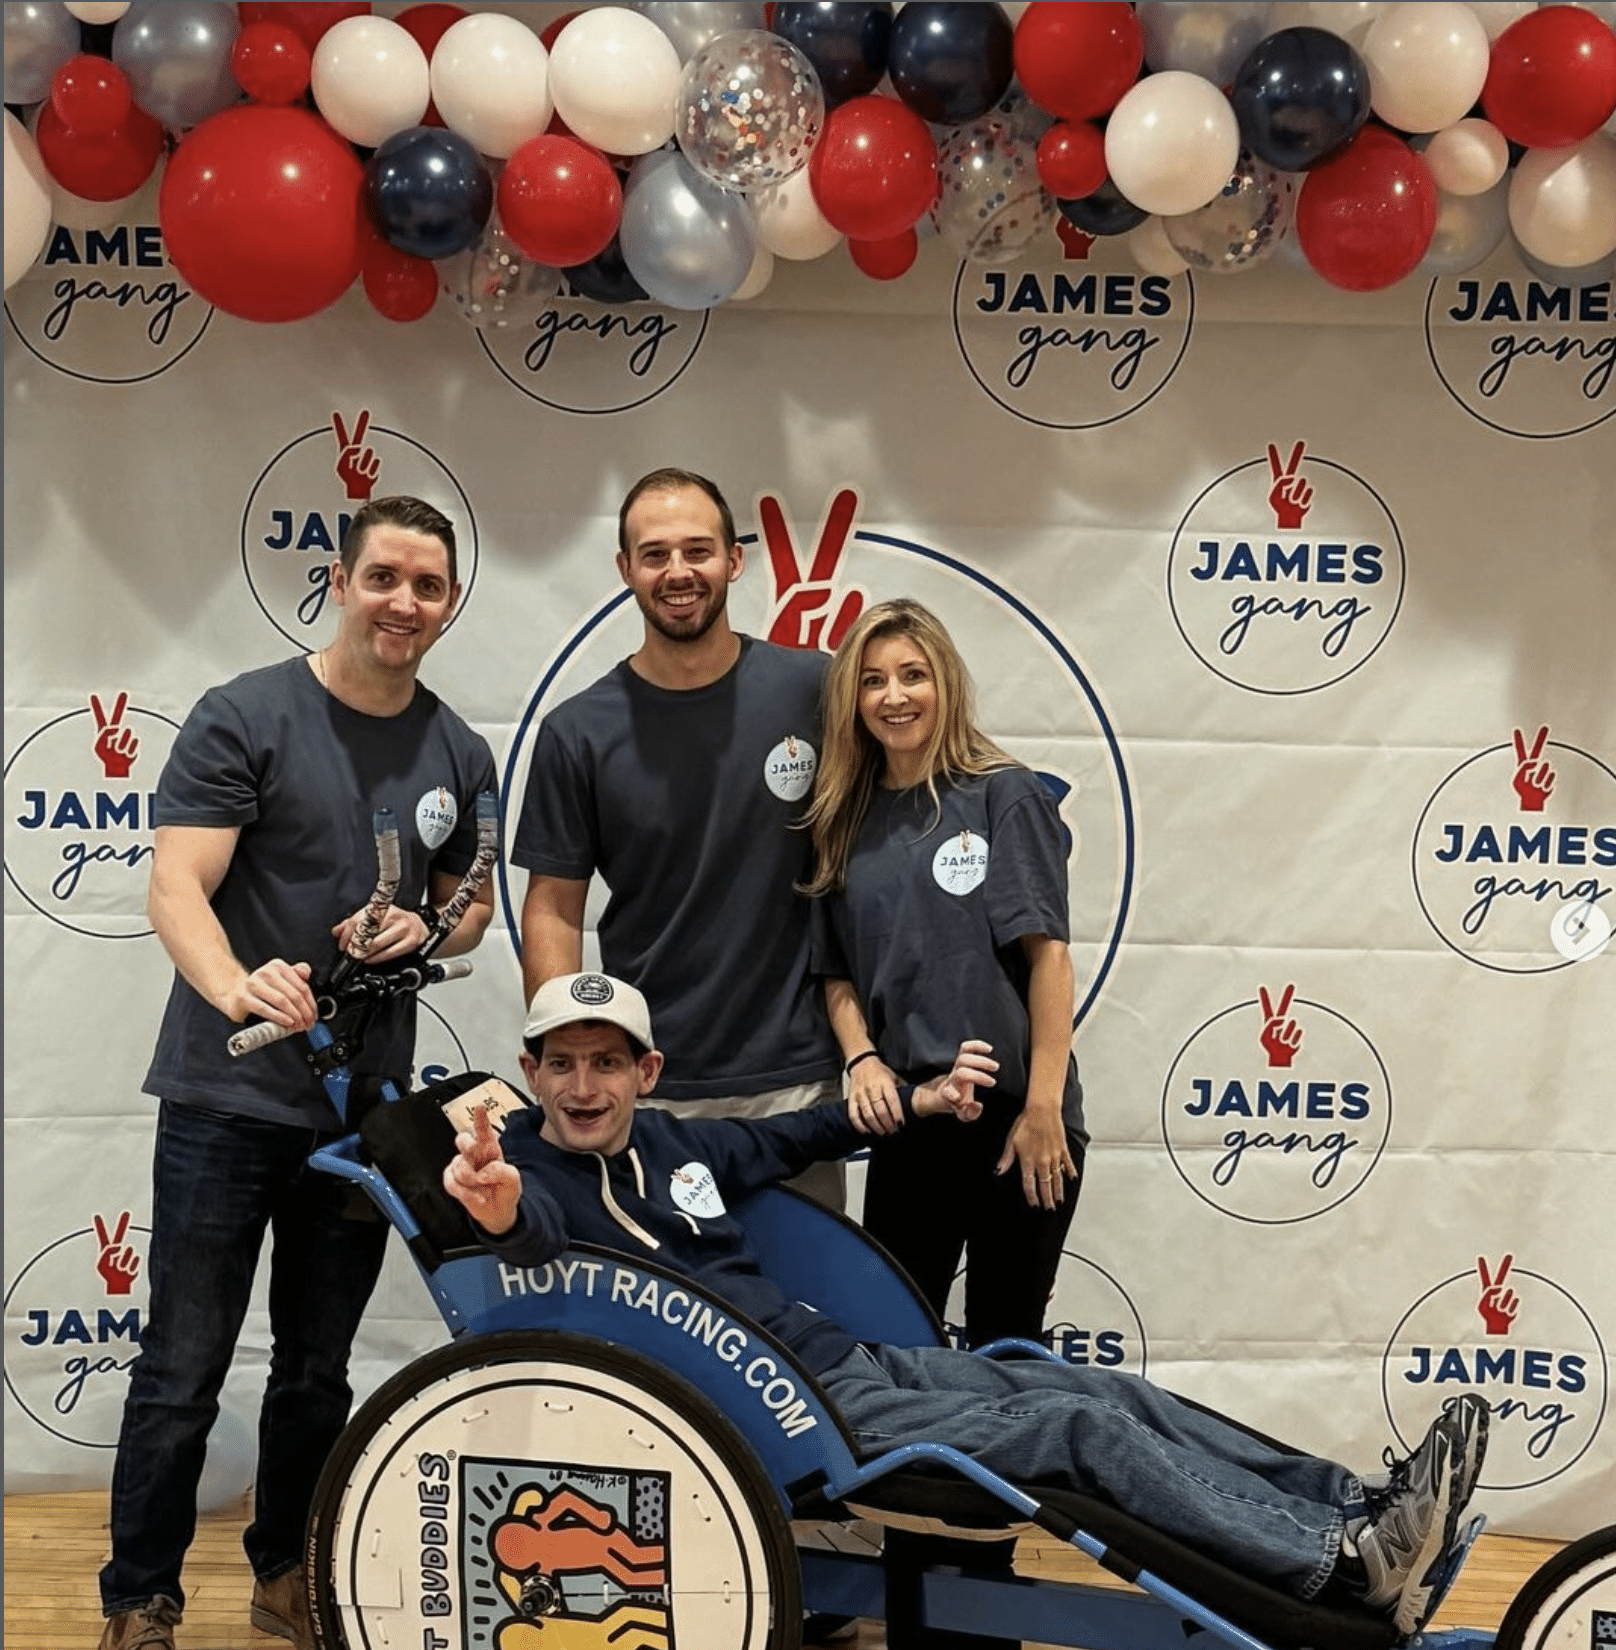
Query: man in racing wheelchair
point(586, 1165)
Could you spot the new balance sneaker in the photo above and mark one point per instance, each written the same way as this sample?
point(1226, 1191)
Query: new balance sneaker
point(281, 1606)
point(151, 1627)
point(1418, 1513)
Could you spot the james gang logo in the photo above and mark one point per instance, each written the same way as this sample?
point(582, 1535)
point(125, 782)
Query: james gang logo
point(1301, 601)
point(1066, 341)
point(301, 506)
point(1525, 1345)
point(570, 1550)
point(73, 1320)
point(1091, 1320)
point(1276, 1110)
point(78, 815)
point(106, 305)
point(1515, 855)
point(811, 600)
point(582, 357)
point(1524, 357)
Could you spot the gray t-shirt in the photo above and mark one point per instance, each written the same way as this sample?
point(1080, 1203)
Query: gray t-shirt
point(300, 774)
point(928, 927)
point(683, 801)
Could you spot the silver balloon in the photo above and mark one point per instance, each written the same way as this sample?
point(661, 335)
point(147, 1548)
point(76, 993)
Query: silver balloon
point(177, 56)
point(493, 286)
point(1469, 228)
point(689, 243)
point(40, 38)
point(1600, 271)
point(692, 24)
point(749, 109)
point(1241, 225)
point(1201, 37)
point(990, 204)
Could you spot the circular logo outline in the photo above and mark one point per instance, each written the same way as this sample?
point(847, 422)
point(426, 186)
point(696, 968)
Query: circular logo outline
point(92, 378)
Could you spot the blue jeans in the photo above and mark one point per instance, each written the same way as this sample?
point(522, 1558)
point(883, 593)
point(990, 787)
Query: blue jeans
point(1263, 1510)
point(218, 1182)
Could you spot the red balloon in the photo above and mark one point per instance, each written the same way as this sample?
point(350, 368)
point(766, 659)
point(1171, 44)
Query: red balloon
point(874, 170)
point(261, 213)
point(104, 167)
point(1551, 80)
point(91, 95)
point(547, 35)
point(311, 18)
point(559, 200)
point(1071, 159)
point(270, 62)
point(1076, 61)
point(399, 287)
point(427, 24)
point(1366, 216)
point(886, 260)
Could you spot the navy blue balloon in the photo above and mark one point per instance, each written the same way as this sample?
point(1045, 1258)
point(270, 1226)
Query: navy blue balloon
point(951, 62)
point(1300, 95)
point(846, 43)
point(427, 192)
point(605, 279)
point(1106, 212)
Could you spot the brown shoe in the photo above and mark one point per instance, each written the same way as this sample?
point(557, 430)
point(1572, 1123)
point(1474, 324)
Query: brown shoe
point(151, 1627)
point(281, 1606)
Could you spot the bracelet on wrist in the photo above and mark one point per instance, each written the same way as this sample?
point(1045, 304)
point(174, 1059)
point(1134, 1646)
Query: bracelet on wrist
point(868, 1054)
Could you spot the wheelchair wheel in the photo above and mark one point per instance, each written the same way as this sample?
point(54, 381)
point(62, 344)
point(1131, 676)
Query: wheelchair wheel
point(540, 1490)
point(1569, 1600)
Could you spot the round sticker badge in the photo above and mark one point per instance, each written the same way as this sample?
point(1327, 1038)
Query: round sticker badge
point(961, 864)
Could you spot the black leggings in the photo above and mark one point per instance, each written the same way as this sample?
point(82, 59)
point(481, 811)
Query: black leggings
point(930, 1195)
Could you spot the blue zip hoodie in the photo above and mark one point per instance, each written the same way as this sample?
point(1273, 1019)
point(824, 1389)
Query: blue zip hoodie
point(667, 1194)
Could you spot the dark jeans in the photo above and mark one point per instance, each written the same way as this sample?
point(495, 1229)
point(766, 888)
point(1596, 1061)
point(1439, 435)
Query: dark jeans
point(218, 1182)
point(930, 1194)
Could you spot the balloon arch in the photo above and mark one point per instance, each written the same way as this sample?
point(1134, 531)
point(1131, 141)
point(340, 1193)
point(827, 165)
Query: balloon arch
point(674, 151)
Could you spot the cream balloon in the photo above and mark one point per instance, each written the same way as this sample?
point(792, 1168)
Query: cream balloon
point(1562, 202)
point(27, 201)
point(614, 76)
point(757, 277)
point(1152, 250)
point(1427, 64)
point(789, 222)
point(491, 82)
point(1468, 157)
point(97, 11)
point(1172, 142)
point(369, 79)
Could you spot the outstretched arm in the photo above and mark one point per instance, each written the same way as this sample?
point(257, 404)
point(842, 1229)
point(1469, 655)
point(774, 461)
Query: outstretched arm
point(480, 1180)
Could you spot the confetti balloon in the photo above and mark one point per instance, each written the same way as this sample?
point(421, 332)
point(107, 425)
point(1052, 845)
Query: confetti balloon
point(990, 201)
point(749, 109)
point(492, 286)
point(1242, 224)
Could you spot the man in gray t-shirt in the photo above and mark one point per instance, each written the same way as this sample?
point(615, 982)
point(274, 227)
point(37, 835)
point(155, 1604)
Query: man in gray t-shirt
point(678, 777)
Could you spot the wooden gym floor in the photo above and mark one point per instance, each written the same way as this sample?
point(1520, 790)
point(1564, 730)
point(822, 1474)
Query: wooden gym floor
point(55, 1544)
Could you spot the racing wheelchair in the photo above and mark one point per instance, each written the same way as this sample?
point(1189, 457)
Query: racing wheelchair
point(604, 1457)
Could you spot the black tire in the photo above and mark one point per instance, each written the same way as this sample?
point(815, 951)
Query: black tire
point(1560, 1597)
point(476, 1437)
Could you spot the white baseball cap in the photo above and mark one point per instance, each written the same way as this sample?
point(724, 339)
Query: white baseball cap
point(570, 998)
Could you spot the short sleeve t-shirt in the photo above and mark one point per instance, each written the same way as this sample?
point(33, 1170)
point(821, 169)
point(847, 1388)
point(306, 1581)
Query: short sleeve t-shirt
point(928, 927)
point(300, 774)
point(685, 802)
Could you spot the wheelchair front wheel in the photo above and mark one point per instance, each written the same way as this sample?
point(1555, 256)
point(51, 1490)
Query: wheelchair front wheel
point(1568, 1600)
point(542, 1490)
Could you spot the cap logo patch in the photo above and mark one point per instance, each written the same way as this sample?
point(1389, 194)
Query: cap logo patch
point(592, 990)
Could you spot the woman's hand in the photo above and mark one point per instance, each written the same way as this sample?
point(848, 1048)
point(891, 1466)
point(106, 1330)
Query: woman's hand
point(956, 1092)
point(1037, 1142)
point(872, 1097)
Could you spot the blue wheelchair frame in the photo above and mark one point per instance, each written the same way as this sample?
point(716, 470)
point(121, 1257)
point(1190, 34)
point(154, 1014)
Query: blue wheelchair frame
point(787, 1423)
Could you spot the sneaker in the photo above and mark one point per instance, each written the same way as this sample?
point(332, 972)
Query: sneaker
point(281, 1606)
point(151, 1627)
point(1472, 1413)
point(1419, 1514)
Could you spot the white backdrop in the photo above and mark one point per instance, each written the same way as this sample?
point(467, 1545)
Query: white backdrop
point(1301, 599)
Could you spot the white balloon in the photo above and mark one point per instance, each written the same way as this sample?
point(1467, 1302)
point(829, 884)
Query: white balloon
point(1350, 19)
point(789, 222)
point(757, 277)
point(1468, 157)
point(369, 79)
point(1427, 64)
point(27, 201)
point(491, 82)
point(1562, 202)
point(1172, 142)
point(1152, 250)
point(614, 76)
point(97, 11)
point(1496, 15)
point(1207, 37)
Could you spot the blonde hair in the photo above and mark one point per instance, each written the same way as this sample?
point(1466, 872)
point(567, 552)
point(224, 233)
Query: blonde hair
point(852, 761)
